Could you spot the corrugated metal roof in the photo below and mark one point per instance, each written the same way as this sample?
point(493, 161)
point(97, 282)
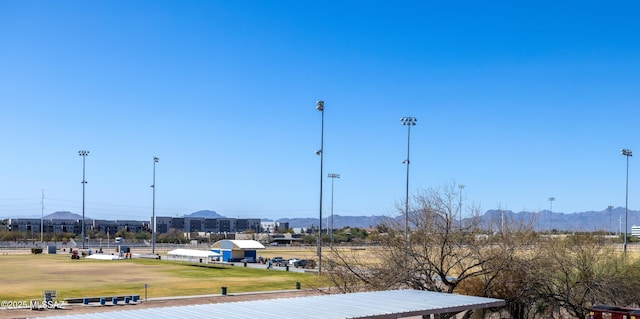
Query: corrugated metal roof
point(379, 305)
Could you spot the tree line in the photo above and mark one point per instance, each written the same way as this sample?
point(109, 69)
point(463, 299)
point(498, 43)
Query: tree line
point(538, 275)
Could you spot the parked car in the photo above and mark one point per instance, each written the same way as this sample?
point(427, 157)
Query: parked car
point(292, 261)
point(279, 261)
point(305, 263)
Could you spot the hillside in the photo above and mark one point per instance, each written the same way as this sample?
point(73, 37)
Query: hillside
point(64, 215)
point(542, 221)
point(585, 221)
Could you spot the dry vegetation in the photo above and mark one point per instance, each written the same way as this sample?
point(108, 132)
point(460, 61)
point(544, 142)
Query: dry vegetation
point(538, 276)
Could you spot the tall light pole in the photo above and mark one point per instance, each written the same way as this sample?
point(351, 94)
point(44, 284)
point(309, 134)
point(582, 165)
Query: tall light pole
point(153, 208)
point(409, 122)
point(84, 155)
point(460, 205)
point(42, 219)
point(627, 153)
point(333, 177)
point(551, 199)
point(610, 208)
point(320, 107)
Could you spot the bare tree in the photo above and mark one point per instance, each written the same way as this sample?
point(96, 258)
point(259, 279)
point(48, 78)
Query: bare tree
point(538, 276)
point(441, 253)
point(504, 277)
point(570, 274)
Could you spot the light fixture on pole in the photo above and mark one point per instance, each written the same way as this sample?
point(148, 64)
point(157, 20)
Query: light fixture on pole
point(551, 199)
point(153, 208)
point(409, 122)
point(84, 155)
point(460, 205)
point(627, 153)
point(333, 177)
point(320, 107)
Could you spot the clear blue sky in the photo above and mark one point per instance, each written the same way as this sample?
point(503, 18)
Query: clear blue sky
point(517, 101)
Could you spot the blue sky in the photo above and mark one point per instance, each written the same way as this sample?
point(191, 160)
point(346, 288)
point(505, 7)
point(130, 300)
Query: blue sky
point(517, 101)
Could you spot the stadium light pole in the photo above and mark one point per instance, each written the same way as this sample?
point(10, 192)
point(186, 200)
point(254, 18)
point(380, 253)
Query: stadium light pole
point(627, 153)
point(461, 187)
point(551, 199)
point(320, 107)
point(153, 208)
point(610, 207)
point(42, 219)
point(333, 177)
point(84, 155)
point(409, 122)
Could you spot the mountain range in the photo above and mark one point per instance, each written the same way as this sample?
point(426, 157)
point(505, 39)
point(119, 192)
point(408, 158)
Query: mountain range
point(606, 220)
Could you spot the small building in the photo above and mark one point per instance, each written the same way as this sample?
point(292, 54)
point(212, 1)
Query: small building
point(232, 250)
point(613, 312)
point(635, 231)
point(274, 227)
point(286, 239)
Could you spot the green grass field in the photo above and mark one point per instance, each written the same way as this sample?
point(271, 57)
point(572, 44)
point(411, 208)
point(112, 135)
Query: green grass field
point(26, 276)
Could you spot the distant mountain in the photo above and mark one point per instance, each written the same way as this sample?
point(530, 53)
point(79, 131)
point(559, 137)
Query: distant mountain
point(541, 221)
point(204, 213)
point(64, 215)
point(604, 220)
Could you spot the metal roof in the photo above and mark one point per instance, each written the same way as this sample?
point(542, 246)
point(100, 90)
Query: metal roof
point(237, 244)
point(379, 305)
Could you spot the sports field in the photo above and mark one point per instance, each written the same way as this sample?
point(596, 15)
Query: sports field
point(26, 276)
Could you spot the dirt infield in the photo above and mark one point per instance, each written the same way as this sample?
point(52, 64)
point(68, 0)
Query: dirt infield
point(157, 303)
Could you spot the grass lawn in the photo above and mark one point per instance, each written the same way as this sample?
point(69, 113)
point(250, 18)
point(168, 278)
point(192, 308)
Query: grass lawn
point(27, 276)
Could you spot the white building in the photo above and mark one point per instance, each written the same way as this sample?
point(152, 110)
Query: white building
point(635, 231)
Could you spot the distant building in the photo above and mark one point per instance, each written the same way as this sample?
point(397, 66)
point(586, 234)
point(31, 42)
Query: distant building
point(114, 226)
point(237, 250)
point(207, 225)
point(286, 239)
point(49, 225)
point(73, 225)
point(635, 231)
point(163, 224)
point(274, 227)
